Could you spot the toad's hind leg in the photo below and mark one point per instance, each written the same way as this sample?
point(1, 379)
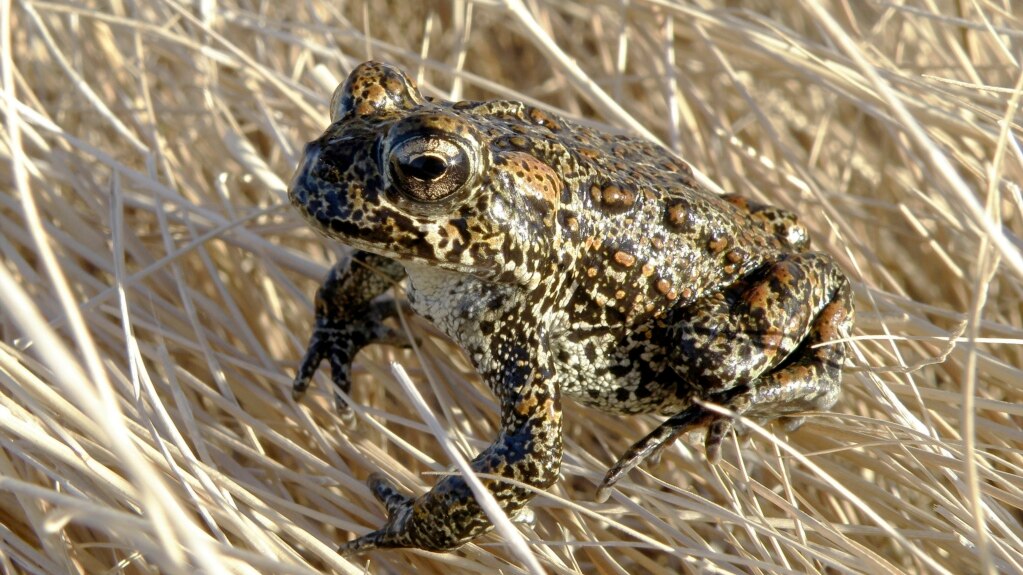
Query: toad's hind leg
point(807, 379)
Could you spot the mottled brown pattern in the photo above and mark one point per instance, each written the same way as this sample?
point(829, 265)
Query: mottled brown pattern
point(567, 262)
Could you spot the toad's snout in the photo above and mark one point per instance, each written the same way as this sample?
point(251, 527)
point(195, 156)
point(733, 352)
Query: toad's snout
point(303, 184)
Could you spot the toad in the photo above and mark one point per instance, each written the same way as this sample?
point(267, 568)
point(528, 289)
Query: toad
point(566, 262)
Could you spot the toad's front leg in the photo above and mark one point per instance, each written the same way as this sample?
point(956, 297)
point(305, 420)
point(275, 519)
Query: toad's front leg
point(527, 451)
point(348, 319)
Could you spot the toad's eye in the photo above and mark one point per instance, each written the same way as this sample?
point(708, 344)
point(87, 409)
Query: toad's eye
point(429, 168)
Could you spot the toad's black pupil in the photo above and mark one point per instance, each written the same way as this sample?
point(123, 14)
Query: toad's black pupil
point(427, 167)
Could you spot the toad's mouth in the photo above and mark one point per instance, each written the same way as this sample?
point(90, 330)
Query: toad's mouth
point(412, 260)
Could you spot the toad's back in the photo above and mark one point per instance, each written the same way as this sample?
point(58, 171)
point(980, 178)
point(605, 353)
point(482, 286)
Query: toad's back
point(645, 236)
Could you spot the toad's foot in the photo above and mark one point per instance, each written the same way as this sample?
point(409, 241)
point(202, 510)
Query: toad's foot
point(347, 320)
point(395, 532)
point(650, 447)
point(337, 339)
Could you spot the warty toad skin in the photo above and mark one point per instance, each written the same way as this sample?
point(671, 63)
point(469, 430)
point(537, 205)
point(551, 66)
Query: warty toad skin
point(567, 263)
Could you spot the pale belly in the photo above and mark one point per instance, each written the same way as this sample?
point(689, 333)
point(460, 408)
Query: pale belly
point(615, 375)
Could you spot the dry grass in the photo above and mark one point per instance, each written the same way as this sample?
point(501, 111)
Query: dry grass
point(156, 285)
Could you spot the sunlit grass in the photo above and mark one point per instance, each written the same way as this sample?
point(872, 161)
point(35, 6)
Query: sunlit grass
point(156, 287)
